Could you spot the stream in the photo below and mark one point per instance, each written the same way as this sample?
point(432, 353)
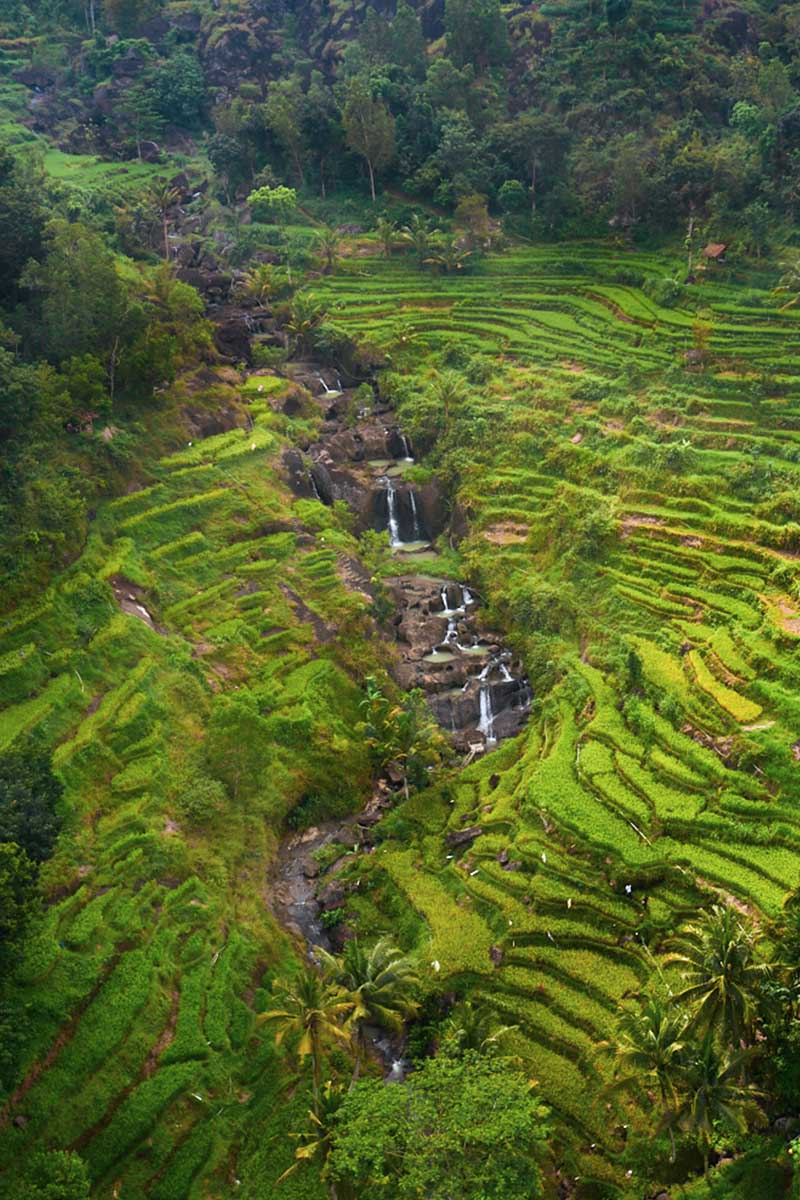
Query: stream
point(476, 689)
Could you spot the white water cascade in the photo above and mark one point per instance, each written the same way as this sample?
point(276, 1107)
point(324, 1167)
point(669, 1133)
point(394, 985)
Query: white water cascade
point(486, 722)
point(417, 532)
point(409, 457)
point(391, 507)
point(330, 391)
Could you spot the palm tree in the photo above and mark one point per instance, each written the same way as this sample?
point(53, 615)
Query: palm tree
point(417, 234)
point(650, 1049)
point(313, 1011)
point(378, 984)
point(719, 955)
point(475, 1027)
point(386, 231)
point(306, 314)
point(161, 197)
point(448, 391)
point(450, 257)
point(315, 1142)
point(714, 1093)
point(327, 241)
point(790, 282)
point(260, 283)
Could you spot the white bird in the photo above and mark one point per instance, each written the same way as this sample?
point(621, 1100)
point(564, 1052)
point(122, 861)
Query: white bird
point(628, 889)
point(544, 857)
point(252, 445)
point(437, 966)
point(569, 902)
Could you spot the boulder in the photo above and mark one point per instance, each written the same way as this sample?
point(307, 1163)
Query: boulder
point(463, 837)
point(232, 339)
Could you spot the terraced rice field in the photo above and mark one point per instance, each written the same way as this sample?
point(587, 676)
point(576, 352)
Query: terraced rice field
point(157, 944)
point(633, 798)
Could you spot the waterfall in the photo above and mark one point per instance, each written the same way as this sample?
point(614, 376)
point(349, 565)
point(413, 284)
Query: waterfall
point(330, 391)
point(406, 448)
point(467, 596)
point(504, 671)
point(486, 722)
point(391, 506)
point(417, 533)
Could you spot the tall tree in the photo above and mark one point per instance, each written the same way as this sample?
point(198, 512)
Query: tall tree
point(536, 143)
point(311, 1013)
point(476, 33)
point(284, 112)
point(369, 128)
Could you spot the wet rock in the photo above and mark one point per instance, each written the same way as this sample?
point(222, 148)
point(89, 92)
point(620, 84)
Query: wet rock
point(39, 78)
point(210, 283)
point(463, 837)
point(232, 339)
point(332, 895)
point(202, 423)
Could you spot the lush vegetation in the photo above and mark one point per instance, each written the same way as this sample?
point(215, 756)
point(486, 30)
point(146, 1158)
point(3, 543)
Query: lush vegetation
point(497, 220)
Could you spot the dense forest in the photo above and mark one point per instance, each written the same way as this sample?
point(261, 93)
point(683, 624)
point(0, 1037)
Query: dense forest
point(399, 600)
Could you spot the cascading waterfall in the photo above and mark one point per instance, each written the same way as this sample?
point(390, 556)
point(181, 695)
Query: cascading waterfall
point(330, 391)
point(409, 457)
point(417, 533)
point(486, 722)
point(391, 508)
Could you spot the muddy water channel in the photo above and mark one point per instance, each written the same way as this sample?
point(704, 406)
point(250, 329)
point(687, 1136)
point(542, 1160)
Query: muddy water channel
point(475, 688)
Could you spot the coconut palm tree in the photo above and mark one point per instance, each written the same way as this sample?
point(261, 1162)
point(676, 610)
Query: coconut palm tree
point(448, 390)
point(789, 282)
point(474, 1026)
point(327, 242)
point(161, 197)
point(387, 232)
point(713, 1093)
point(261, 283)
point(306, 314)
point(450, 257)
point(417, 235)
point(379, 984)
point(315, 1142)
point(720, 962)
point(313, 1011)
point(649, 1051)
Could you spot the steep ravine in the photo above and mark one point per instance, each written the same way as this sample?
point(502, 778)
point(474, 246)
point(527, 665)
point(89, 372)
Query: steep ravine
point(475, 688)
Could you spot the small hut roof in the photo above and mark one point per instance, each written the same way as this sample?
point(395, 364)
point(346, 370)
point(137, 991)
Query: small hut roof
point(715, 249)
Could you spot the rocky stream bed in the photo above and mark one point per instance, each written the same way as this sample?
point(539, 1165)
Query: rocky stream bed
point(474, 686)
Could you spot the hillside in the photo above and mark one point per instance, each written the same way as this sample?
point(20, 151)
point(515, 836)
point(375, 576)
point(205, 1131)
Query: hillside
point(399, 735)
